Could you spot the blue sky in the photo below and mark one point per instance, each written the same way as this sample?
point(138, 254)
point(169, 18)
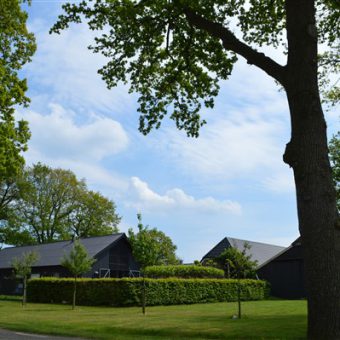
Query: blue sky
point(231, 181)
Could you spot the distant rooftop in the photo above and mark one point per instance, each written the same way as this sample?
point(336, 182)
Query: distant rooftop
point(50, 254)
point(261, 252)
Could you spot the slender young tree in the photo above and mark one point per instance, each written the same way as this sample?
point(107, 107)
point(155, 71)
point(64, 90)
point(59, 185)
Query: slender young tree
point(77, 262)
point(174, 52)
point(151, 247)
point(23, 268)
point(238, 265)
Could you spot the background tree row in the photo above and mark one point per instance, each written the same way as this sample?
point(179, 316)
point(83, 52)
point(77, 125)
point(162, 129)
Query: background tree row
point(49, 204)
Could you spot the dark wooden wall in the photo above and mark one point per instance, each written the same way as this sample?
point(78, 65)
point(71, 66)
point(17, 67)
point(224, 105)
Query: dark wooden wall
point(286, 274)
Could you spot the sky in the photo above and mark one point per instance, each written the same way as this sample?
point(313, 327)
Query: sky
point(231, 181)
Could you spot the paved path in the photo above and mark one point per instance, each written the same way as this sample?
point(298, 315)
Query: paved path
point(13, 335)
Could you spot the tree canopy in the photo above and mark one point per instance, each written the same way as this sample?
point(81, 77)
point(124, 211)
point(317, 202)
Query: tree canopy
point(334, 151)
point(237, 263)
point(17, 45)
point(77, 262)
point(52, 205)
point(152, 247)
point(173, 53)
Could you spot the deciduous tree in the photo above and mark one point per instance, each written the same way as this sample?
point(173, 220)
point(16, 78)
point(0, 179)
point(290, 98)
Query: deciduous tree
point(173, 53)
point(23, 267)
point(52, 204)
point(94, 215)
point(17, 46)
point(77, 262)
point(151, 247)
point(237, 263)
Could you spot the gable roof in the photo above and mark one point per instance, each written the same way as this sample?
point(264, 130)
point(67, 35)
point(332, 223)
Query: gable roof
point(50, 254)
point(261, 252)
point(296, 243)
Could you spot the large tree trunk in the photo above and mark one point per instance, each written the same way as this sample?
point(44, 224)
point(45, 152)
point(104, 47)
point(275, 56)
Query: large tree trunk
point(307, 154)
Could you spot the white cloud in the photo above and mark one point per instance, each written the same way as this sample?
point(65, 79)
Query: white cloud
point(58, 136)
point(228, 148)
point(142, 197)
point(66, 72)
point(59, 140)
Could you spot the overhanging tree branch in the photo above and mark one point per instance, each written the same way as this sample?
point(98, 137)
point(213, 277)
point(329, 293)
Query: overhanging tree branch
point(231, 43)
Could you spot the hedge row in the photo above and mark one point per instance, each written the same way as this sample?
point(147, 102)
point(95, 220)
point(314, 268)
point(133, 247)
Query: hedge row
point(128, 292)
point(183, 271)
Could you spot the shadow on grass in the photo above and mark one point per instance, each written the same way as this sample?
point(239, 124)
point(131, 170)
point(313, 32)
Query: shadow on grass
point(283, 327)
point(10, 298)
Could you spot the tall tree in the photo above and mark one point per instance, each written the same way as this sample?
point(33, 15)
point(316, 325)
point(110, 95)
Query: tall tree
point(151, 246)
point(23, 268)
point(94, 215)
point(173, 53)
point(52, 205)
point(47, 198)
point(77, 262)
point(17, 46)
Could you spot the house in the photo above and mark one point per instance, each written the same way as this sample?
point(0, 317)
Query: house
point(113, 255)
point(285, 272)
point(261, 252)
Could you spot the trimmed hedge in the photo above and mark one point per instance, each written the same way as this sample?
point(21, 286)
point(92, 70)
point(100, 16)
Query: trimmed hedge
point(183, 271)
point(128, 292)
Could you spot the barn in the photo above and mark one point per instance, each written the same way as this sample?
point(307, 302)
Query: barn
point(261, 252)
point(113, 255)
point(285, 272)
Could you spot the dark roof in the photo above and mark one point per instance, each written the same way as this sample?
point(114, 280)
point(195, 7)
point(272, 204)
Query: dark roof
point(261, 252)
point(296, 243)
point(51, 253)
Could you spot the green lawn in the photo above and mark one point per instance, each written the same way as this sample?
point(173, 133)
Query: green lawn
point(271, 319)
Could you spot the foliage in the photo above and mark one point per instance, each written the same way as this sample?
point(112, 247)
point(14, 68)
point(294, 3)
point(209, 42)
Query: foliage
point(329, 63)
point(183, 271)
point(52, 204)
point(334, 153)
point(151, 246)
point(17, 48)
point(173, 54)
point(77, 261)
point(93, 215)
point(128, 291)
point(23, 267)
point(170, 53)
point(236, 263)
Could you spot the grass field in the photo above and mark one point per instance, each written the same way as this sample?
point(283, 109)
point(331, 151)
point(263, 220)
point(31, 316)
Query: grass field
point(271, 319)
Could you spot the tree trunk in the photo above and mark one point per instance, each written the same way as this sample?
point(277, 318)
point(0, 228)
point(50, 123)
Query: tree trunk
point(74, 293)
point(239, 298)
point(24, 297)
point(143, 296)
point(307, 154)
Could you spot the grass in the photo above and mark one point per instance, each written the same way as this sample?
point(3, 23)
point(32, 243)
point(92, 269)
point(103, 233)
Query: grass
point(270, 319)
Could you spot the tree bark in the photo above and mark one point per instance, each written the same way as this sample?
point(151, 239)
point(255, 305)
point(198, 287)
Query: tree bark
point(307, 154)
point(24, 297)
point(74, 292)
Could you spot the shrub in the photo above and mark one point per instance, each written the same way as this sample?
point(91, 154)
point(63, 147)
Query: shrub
point(182, 271)
point(128, 291)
